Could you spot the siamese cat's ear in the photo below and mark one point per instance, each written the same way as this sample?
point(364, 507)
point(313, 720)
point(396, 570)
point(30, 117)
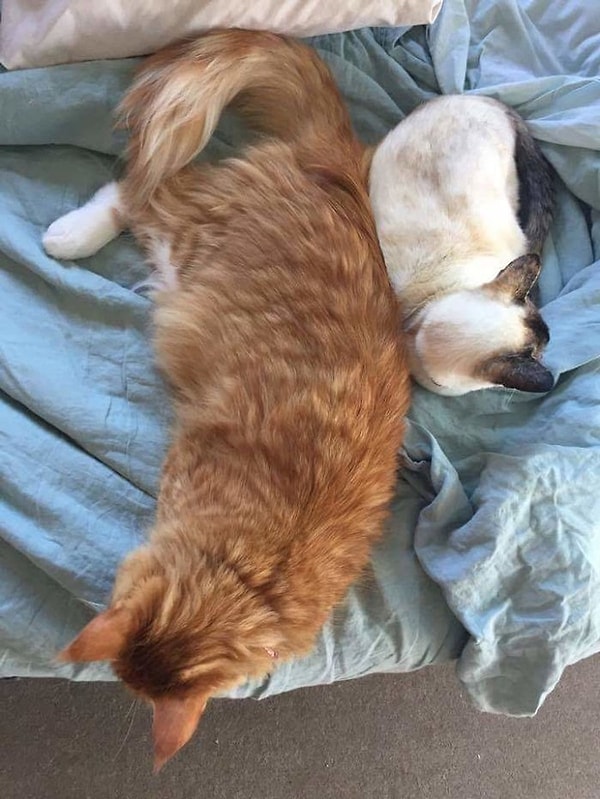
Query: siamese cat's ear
point(522, 372)
point(518, 278)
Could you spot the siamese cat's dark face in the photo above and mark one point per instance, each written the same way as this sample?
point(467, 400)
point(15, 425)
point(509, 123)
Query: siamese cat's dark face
point(479, 338)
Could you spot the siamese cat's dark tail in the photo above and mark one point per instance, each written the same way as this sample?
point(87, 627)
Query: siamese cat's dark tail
point(536, 187)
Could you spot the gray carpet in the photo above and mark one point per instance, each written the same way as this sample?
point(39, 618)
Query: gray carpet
point(387, 737)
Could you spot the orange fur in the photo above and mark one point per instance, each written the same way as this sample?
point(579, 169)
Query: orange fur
point(281, 345)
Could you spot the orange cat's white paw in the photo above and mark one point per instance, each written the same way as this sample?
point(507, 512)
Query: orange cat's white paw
point(84, 231)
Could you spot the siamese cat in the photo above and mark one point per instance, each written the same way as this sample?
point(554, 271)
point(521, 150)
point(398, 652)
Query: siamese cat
point(463, 199)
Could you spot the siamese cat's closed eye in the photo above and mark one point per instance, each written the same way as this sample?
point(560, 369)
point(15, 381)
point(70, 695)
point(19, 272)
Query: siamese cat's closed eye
point(463, 201)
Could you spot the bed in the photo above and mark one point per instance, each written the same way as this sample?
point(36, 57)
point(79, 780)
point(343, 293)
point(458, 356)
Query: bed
point(492, 552)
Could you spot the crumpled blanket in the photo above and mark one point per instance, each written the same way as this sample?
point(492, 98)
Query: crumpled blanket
point(492, 551)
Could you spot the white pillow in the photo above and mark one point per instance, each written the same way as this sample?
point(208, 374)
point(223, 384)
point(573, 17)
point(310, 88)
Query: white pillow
point(35, 33)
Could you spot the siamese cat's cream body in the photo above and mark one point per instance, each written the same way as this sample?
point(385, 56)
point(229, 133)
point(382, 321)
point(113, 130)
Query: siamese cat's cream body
point(460, 192)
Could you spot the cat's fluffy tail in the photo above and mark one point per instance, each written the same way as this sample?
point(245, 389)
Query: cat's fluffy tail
point(279, 86)
point(536, 188)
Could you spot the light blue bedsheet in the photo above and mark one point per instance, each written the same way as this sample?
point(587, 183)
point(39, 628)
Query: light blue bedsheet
point(496, 524)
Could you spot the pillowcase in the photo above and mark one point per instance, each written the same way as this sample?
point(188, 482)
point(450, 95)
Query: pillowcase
point(36, 33)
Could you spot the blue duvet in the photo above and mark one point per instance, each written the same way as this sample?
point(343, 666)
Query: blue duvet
point(492, 552)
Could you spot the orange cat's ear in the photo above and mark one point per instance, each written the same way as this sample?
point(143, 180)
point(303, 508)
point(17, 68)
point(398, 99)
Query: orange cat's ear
point(102, 639)
point(175, 721)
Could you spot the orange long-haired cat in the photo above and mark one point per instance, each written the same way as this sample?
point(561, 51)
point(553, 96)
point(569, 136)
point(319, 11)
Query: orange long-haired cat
point(279, 334)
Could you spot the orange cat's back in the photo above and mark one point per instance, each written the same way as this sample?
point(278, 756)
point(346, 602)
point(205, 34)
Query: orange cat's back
point(283, 349)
